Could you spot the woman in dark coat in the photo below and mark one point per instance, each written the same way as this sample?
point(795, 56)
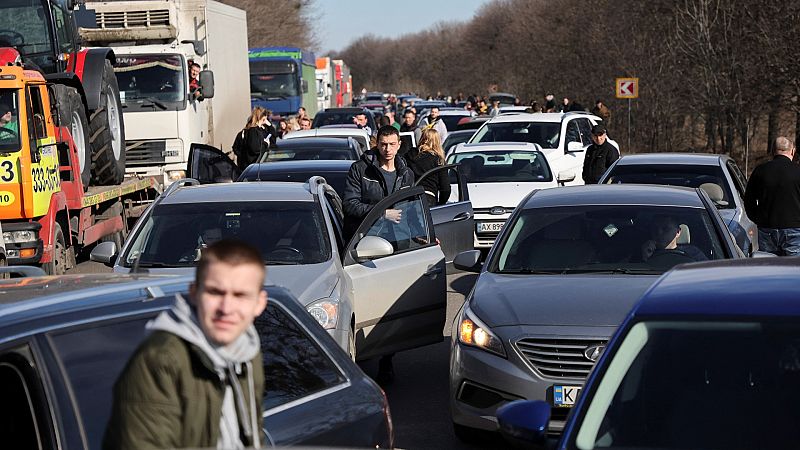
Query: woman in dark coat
point(429, 155)
point(255, 139)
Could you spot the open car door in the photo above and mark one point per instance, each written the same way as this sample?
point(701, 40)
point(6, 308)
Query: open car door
point(208, 165)
point(398, 277)
point(454, 222)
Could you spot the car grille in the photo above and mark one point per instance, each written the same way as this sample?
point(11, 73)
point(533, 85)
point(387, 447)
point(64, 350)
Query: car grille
point(487, 211)
point(558, 358)
point(128, 19)
point(144, 153)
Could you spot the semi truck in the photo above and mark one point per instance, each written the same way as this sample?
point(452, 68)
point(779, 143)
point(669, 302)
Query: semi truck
point(282, 79)
point(324, 83)
point(343, 84)
point(155, 42)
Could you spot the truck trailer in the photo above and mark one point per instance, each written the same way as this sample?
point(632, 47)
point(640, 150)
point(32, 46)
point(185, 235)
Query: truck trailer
point(282, 79)
point(155, 42)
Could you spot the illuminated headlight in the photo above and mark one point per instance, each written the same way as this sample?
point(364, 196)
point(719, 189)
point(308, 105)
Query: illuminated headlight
point(326, 312)
point(473, 332)
point(175, 175)
point(18, 237)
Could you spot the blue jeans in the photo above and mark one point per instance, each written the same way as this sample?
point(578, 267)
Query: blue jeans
point(780, 241)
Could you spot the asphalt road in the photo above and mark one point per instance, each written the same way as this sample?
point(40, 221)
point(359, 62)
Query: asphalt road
point(418, 398)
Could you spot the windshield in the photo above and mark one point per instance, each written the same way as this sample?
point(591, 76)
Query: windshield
point(284, 232)
point(600, 238)
point(693, 385)
point(308, 153)
point(146, 79)
point(325, 118)
point(273, 80)
point(545, 134)
point(710, 178)
point(23, 25)
point(497, 166)
point(9, 120)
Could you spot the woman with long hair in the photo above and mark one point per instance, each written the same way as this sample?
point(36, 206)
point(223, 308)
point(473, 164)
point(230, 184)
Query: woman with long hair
point(255, 139)
point(429, 155)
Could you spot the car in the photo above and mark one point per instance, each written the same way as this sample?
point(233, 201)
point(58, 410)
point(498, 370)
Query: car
point(450, 117)
point(335, 131)
point(564, 137)
point(691, 367)
point(717, 174)
point(499, 175)
point(564, 272)
point(313, 148)
point(334, 172)
point(64, 340)
point(375, 97)
point(454, 138)
point(337, 116)
point(514, 109)
point(505, 99)
point(472, 123)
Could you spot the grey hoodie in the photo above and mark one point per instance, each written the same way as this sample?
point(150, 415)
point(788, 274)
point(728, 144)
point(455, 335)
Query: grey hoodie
point(182, 321)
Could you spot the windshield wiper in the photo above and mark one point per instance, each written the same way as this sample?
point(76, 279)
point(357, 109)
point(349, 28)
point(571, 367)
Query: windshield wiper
point(620, 270)
point(152, 102)
point(158, 265)
point(529, 271)
point(280, 263)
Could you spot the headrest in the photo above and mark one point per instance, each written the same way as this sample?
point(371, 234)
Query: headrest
point(714, 191)
point(685, 237)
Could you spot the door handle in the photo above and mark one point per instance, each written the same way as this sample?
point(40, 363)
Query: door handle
point(462, 216)
point(433, 271)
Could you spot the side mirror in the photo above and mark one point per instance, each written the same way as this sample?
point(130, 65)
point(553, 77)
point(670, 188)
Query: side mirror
point(575, 147)
point(565, 176)
point(524, 422)
point(305, 86)
point(371, 247)
point(760, 254)
point(207, 83)
point(104, 252)
point(469, 261)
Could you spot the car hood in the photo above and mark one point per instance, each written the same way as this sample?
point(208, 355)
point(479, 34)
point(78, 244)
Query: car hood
point(509, 194)
point(576, 300)
point(308, 282)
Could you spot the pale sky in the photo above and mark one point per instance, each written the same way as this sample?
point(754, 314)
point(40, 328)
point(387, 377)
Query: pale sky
point(343, 21)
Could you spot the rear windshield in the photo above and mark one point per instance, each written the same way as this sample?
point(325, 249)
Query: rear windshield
point(545, 134)
point(502, 166)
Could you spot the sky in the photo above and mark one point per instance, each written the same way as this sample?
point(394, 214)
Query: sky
point(343, 21)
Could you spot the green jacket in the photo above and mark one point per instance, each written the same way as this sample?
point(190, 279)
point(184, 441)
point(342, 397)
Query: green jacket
point(170, 396)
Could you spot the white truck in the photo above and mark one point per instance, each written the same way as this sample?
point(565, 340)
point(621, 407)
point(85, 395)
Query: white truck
point(155, 41)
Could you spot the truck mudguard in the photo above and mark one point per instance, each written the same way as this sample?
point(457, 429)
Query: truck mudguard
point(68, 79)
point(89, 67)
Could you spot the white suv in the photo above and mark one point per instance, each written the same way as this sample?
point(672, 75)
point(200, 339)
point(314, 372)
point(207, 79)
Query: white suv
point(563, 137)
point(498, 176)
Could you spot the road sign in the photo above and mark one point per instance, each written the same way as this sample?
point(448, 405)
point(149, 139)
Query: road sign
point(627, 88)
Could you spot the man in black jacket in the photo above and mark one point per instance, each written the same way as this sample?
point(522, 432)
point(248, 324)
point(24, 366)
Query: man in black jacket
point(772, 201)
point(599, 156)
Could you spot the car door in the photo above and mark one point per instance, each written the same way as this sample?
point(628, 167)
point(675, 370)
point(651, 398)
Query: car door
point(572, 160)
point(453, 222)
point(399, 296)
point(209, 164)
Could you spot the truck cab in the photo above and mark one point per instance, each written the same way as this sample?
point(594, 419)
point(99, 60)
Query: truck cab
point(282, 79)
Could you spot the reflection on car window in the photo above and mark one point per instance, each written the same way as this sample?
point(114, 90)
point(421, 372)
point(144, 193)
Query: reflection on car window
point(502, 166)
point(294, 364)
point(710, 178)
point(410, 232)
point(608, 238)
point(9, 120)
point(542, 133)
point(308, 154)
point(284, 232)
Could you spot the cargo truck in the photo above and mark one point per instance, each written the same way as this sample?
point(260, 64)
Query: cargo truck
point(324, 83)
point(155, 41)
point(282, 79)
point(343, 84)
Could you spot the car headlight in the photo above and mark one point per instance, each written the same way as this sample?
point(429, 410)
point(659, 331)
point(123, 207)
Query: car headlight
point(175, 175)
point(326, 312)
point(473, 332)
point(18, 237)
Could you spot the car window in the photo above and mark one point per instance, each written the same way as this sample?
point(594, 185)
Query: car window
point(502, 166)
point(284, 232)
point(580, 239)
point(543, 133)
point(739, 180)
point(308, 154)
point(24, 418)
point(92, 370)
point(295, 366)
point(410, 232)
point(585, 127)
point(710, 178)
point(573, 133)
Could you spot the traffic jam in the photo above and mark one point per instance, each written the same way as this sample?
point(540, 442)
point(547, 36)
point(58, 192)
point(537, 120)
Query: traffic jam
point(186, 264)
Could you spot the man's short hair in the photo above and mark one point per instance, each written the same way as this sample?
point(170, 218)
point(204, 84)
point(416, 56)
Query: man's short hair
point(305, 119)
point(783, 144)
point(361, 114)
point(229, 251)
point(408, 111)
point(194, 64)
point(388, 130)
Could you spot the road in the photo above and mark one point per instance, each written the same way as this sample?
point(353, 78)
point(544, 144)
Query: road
point(418, 398)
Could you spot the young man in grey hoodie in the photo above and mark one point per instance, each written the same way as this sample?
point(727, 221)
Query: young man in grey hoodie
point(197, 380)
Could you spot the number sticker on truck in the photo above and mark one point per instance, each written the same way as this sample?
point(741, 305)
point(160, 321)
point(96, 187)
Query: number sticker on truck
point(6, 198)
point(7, 172)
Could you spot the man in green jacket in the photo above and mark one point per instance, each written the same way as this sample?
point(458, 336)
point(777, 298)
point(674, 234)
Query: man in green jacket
point(198, 378)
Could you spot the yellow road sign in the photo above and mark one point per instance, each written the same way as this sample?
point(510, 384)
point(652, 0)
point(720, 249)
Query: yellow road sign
point(627, 88)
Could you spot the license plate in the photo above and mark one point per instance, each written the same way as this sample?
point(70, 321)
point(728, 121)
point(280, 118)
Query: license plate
point(489, 227)
point(565, 396)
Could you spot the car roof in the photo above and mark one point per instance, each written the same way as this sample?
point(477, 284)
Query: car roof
point(455, 112)
point(313, 142)
point(535, 117)
point(732, 288)
point(341, 110)
point(242, 192)
point(297, 166)
point(704, 159)
point(615, 194)
point(489, 146)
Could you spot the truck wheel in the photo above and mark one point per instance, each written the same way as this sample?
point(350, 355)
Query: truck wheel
point(72, 115)
point(58, 265)
point(4, 263)
point(107, 133)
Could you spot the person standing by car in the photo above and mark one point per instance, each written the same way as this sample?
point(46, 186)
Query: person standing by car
point(601, 110)
point(599, 156)
point(429, 155)
point(435, 121)
point(772, 201)
point(198, 379)
point(255, 139)
point(360, 120)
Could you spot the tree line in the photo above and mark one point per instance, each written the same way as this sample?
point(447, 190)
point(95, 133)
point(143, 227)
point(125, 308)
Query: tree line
point(715, 75)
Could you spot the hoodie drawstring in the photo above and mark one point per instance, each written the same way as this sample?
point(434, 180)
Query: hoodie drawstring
point(253, 409)
point(247, 426)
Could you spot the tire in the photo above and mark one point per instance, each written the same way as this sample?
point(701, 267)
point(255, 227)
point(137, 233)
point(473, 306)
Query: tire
point(72, 115)
point(107, 133)
point(4, 263)
point(58, 265)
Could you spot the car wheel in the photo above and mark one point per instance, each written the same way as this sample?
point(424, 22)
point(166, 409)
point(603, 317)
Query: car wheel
point(57, 265)
point(4, 263)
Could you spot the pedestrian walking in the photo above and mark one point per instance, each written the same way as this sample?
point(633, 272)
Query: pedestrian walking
point(429, 155)
point(599, 156)
point(601, 110)
point(772, 201)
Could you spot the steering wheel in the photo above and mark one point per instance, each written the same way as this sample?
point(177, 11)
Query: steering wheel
point(296, 255)
point(13, 133)
point(669, 258)
point(12, 34)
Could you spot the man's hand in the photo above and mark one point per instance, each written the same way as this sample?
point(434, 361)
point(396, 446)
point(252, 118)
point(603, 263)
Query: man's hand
point(648, 248)
point(394, 215)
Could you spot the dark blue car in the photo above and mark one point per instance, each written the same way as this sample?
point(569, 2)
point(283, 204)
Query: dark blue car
point(709, 358)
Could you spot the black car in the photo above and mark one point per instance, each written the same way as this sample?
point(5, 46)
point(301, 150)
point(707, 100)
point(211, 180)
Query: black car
point(336, 116)
point(313, 148)
point(64, 341)
point(334, 172)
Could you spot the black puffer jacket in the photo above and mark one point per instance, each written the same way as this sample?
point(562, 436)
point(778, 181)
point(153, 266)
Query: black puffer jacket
point(439, 184)
point(366, 187)
point(598, 159)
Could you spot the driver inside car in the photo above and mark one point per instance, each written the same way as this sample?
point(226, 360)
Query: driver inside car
point(665, 238)
point(9, 127)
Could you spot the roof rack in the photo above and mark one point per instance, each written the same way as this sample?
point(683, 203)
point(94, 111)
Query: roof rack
point(174, 187)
